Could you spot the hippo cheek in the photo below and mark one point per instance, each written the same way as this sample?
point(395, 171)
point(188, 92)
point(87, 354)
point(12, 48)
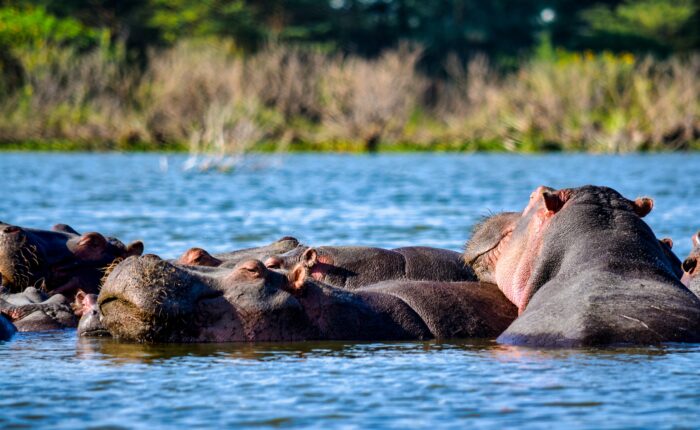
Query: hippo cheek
point(218, 321)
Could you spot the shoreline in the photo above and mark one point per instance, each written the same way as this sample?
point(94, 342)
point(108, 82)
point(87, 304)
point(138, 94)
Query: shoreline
point(314, 147)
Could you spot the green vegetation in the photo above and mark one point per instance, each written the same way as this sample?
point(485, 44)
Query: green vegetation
point(226, 77)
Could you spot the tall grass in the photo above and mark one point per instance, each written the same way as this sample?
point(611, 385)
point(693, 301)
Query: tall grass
point(204, 96)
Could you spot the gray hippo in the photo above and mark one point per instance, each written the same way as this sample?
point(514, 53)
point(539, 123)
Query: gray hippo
point(32, 310)
point(147, 299)
point(200, 257)
point(90, 324)
point(583, 268)
point(484, 247)
point(60, 260)
point(690, 267)
point(352, 267)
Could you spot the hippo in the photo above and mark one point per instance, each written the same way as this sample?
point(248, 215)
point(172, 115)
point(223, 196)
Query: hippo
point(58, 261)
point(90, 324)
point(7, 329)
point(200, 257)
point(352, 267)
point(584, 269)
point(484, 247)
point(690, 267)
point(666, 244)
point(33, 310)
point(147, 299)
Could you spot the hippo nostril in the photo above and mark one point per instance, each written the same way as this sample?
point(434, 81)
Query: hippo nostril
point(689, 265)
point(11, 229)
point(151, 257)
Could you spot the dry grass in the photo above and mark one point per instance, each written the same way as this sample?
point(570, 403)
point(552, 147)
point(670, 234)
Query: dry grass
point(204, 94)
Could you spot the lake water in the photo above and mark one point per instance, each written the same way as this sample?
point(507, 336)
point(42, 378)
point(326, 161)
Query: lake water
point(54, 380)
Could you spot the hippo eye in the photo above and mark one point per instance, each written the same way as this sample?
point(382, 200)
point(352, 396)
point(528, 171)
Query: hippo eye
point(273, 263)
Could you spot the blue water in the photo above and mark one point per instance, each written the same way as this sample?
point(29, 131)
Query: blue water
point(54, 380)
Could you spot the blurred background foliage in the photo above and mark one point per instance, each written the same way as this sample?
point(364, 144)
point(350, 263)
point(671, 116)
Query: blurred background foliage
point(460, 53)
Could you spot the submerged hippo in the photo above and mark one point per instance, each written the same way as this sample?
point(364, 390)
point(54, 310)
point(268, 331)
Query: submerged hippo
point(90, 324)
point(352, 267)
point(200, 257)
point(32, 310)
point(7, 329)
point(147, 299)
point(58, 261)
point(583, 268)
point(690, 267)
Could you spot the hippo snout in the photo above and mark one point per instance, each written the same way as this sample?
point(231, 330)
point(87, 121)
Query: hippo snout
point(145, 297)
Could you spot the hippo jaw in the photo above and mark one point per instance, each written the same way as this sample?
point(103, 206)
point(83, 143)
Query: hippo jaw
point(149, 300)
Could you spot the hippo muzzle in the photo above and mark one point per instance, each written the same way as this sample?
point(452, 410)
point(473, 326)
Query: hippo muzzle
point(148, 299)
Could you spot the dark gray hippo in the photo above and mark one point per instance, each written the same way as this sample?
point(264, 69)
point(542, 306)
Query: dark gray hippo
point(59, 261)
point(146, 299)
point(584, 269)
point(200, 257)
point(7, 329)
point(352, 267)
point(690, 267)
point(32, 310)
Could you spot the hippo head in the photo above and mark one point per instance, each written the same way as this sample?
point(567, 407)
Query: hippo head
point(517, 273)
point(22, 262)
point(488, 240)
point(30, 257)
point(90, 324)
point(690, 264)
point(584, 269)
point(147, 299)
point(301, 254)
point(95, 249)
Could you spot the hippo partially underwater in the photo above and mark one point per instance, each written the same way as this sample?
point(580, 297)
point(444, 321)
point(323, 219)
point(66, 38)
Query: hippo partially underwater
point(57, 261)
point(147, 299)
point(584, 269)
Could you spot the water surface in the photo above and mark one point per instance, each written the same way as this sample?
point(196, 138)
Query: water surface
point(55, 380)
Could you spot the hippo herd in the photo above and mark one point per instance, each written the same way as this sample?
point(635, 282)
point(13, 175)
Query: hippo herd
point(577, 267)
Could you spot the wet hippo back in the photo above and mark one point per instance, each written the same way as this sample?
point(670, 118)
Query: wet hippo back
point(452, 309)
point(425, 263)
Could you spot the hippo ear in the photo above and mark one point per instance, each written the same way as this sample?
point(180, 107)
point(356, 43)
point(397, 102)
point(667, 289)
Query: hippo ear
point(65, 228)
point(310, 257)
point(696, 239)
point(297, 278)
point(668, 241)
point(552, 201)
point(642, 206)
point(135, 248)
